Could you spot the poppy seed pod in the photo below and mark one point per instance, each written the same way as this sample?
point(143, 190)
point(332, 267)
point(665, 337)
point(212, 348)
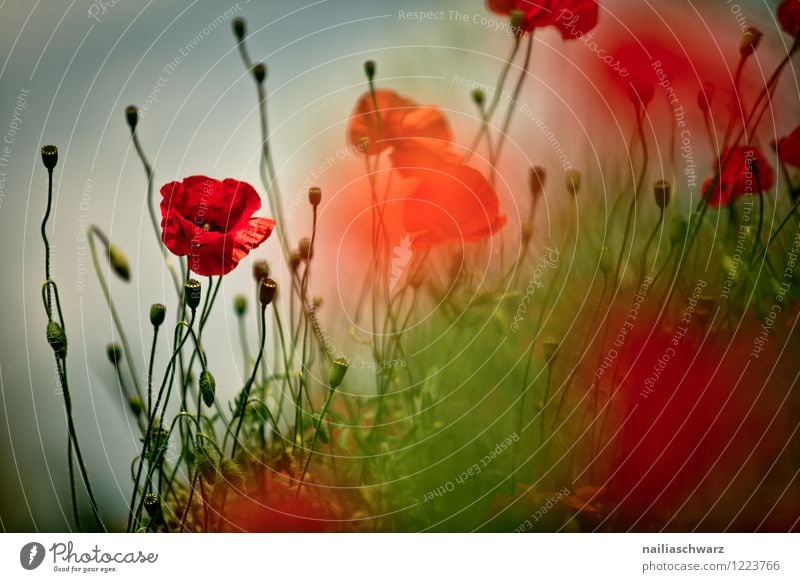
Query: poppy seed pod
point(208, 388)
point(239, 28)
point(336, 375)
point(57, 339)
point(119, 262)
point(114, 353)
point(536, 181)
point(550, 349)
point(479, 97)
point(191, 290)
point(259, 72)
point(132, 116)
point(266, 291)
point(305, 250)
point(369, 69)
point(157, 314)
point(49, 156)
point(152, 505)
point(751, 38)
point(294, 260)
point(573, 181)
point(314, 196)
point(260, 270)
point(240, 305)
point(662, 190)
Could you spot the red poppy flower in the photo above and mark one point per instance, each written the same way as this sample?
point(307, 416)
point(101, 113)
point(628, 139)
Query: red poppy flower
point(789, 16)
point(379, 125)
point(453, 205)
point(572, 18)
point(788, 148)
point(746, 173)
point(212, 222)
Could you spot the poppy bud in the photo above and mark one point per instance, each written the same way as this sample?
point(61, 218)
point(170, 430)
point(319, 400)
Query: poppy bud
point(661, 191)
point(114, 353)
point(294, 260)
point(266, 291)
point(678, 230)
point(517, 20)
point(239, 28)
point(132, 116)
point(705, 97)
point(750, 40)
point(605, 261)
point(259, 72)
point(260, 270)
point(208, 388)
point(316, 302)
point(479, 97)
point(536, 181)
point(314, 196)
point(305, 250)
point(57, 339)
point(232, 473)
point(119, 262)
point(369, 69)
point(157, 314)
point(136, 405)
point(336, 375)
point(191, 291)
point(49, 156)
point(573, 181)
point(550, 349)
point(240, 305)
point(205, 460)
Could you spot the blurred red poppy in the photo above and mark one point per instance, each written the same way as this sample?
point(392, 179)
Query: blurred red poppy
point(212, 222)
point(789, 16)
point(380, 124)
point(572, 18)
point(452, 205)
point(788, 148)
point(745, 173)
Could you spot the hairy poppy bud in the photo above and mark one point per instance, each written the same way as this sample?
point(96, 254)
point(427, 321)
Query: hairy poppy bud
point(232, 473)
point(266, 291)
point(314, 196)
point(239, 28)
point(114, 353)
point(119, 262)
point(208, 388)
point(157, 314)
point(479, 97)
point(191, 290)
point(573, 181)
point(305, 250)
point(49, 156)
point(517, 20)
point(240, 305)
point(678, 230)
point(550, 349)
point(336, 375)
point(294, 260)
point(260, 270)
point(605, 261)
point(369, 69)
point(57, 339)
point(259, 72)
point(536, 181)
point(705, 96)
point(661, 191)
point(136, 405)
point(750, 41)
point(132, 116)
